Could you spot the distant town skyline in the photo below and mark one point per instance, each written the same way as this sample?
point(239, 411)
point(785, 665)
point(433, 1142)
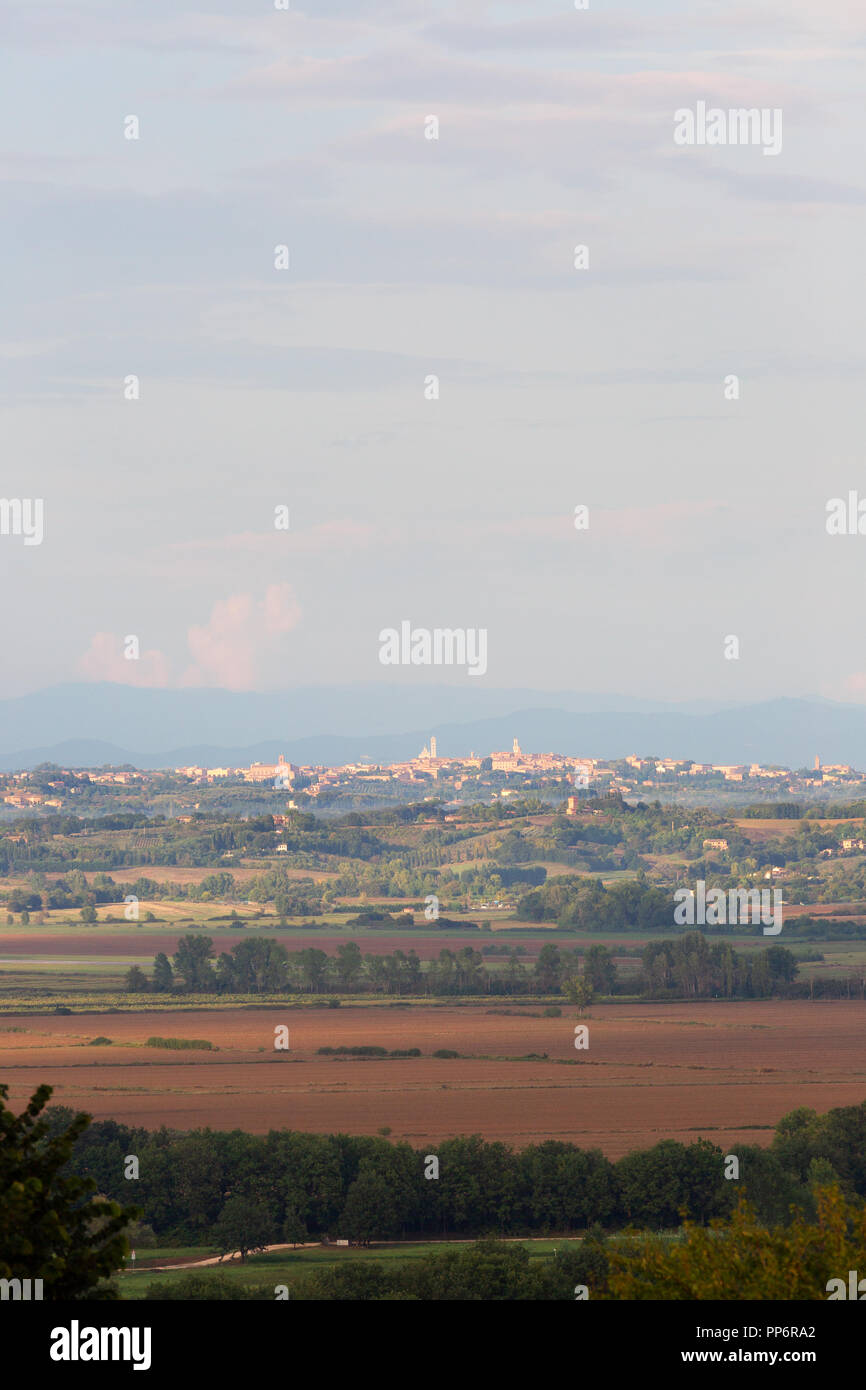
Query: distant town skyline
point(499, 775)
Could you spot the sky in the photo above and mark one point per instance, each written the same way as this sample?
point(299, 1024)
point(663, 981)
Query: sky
point(308, 388)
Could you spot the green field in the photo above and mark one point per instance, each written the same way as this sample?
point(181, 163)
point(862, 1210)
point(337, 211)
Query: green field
point(292, 1266)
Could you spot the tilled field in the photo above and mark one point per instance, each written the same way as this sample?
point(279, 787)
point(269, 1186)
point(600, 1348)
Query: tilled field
point(653, 1071)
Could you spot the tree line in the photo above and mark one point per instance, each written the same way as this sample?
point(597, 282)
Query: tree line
point(685, 967)
point(290, 1186)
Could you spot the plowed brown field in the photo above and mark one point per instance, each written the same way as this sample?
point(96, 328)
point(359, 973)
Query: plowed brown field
point(140, 943)
point(652, 1071)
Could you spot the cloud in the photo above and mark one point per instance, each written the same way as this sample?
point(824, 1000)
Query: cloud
point(104, 660)
point(851, 690)
point(231, 649)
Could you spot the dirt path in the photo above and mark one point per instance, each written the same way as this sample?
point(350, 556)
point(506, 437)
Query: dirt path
point(313, 1244)
point(218, 1259)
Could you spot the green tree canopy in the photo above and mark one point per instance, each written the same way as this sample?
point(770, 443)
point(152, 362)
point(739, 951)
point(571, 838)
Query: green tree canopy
point(49, 1230)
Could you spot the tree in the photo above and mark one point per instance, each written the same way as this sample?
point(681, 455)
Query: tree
point(658, 1185)
point(548, 969)
point(48, 1228)
point(740, 1259)
point(136, 980)
point(564, 1187)
point(243, 1225)
point(294, 1228)
point(88, 914)
point(797, 1141)
point(514, 973)
point(773, 1193)
point(192, 963)
point(600, 969)
point(370, 1211)
point(163, 975)
point(254, 967)
point(579, 991)
point(314, 968)
point(489, 1270)
point(349, 963)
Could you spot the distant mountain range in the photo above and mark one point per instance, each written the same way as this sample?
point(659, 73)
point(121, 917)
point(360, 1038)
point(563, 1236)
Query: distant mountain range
point(84, 725)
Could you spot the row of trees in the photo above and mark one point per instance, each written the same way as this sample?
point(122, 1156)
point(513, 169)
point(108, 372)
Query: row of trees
point(263, 966)
point(586, 904)
point(742, 1258)
point(689, 967)
point(292, 1186)
point(685, 967)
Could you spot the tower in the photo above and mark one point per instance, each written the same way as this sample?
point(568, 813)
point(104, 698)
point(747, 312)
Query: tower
point(817, 762)
point(432, 745)
point(515, 748)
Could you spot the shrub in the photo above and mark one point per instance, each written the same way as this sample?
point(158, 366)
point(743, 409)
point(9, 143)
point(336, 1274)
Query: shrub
point(209, 1288)
point(199, 1044)
point(446, 1052)
point(99, 1042)
point(552, 1011)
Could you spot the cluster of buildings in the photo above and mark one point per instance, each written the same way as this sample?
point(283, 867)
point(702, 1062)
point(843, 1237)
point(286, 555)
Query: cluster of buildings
point(630, 775)
point(502, 773)
point(427, 767)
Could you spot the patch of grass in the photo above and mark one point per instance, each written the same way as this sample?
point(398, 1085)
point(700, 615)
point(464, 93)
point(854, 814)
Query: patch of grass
point(368, 1051)
point(199, 1044)
point(292, 1267)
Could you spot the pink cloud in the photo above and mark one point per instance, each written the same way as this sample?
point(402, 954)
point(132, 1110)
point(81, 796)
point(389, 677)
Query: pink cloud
point(852, 689)
point(228, 650)
point(104, 660)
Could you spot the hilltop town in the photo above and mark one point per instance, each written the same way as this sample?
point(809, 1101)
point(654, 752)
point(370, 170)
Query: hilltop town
point(456, 780)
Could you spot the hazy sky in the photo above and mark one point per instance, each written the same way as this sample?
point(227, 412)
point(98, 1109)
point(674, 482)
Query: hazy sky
point(409, 257)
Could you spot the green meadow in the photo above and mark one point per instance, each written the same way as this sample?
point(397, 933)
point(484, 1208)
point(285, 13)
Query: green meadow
point(291, 1267)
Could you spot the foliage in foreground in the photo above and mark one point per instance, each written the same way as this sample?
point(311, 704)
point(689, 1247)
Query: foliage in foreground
point(741, 1259)
point(50, 1229)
